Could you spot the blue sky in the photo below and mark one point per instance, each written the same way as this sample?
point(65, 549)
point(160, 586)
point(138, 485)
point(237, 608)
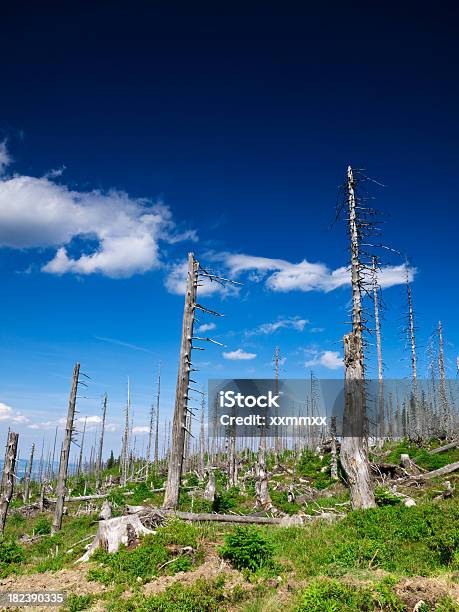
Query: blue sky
point(130, 138)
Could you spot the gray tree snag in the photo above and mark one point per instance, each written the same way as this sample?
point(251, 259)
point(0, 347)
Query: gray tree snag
point(65, 452)
point(125, 444)
point(202, 440)
point(158, 395)
point(80, 458)
point(381, 425)
point(354, 449)
point(8, 477)
point(101, 443)
point(444, 407)
point(28, 476)
point(177, 449)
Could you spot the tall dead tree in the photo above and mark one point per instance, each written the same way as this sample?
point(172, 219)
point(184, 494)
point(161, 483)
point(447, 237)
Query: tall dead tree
point(182, 410)
point(174, 473)
point(28, 476)
point(124, 459)
point(202, 440)
point(158, 395)
point(101, 443)
point(277, 440)
point(8, 477)
point(80, 458)
point(444, 407)
point(376, 290)
point(65, 452)
point(354, 446)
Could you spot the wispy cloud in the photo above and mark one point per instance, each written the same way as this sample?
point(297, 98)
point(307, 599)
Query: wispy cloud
point(7, 413)
point(134, 347)
point(295, 323)
point(205, 327)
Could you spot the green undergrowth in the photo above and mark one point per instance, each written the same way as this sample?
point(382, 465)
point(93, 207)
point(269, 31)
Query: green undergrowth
point(418, 541)
point(161, 553)
point(421, 456)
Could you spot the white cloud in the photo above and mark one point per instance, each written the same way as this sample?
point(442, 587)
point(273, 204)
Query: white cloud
point(328, 359)
point(9, 414)
point(282, 276)
point(205, 327)
point(139, 429)
point(239, 355)
point(39, 212)
point(45, 425)
point(295, 323)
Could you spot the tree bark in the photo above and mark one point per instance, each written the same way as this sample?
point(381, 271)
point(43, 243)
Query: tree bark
point(65, 452)
point(8, 477)
point(28, 476)
point(177, 449)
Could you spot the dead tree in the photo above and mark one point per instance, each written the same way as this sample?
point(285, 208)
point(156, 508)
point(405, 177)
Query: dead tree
point(8, 477)
point(174, 473)
point(80, 458)
point(124, 459)
point(158, 395)
point(334, 453)
point(101, 443)
point(263, 498)
point(444, 407)
point(354, 451)
point(202, 440)
point(277, 443)
point(28, 476)
point(65, 452)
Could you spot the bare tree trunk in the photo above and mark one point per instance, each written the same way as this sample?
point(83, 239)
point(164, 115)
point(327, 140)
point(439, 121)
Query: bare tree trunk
point(202, 441)
point(354, 451)
point(80, 458)
point(177, 450)
point(442, 390)
point(125, 445)
point(8, 477)
point(101, 444)
point(263, 498)
point(381, 424)
point(65, 452)
point(334, 454)
point(157, 417)
point(277, 442)
point(28, 476)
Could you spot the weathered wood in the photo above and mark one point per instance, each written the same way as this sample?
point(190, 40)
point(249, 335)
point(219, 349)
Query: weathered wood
point(28, 476)
point(209, 492)
point(447, 469)
point(116, 531)
point(177, 449)
point(8, 477)
point(247, 519)
point(444, 448)
point(65, 452)
point(101, 443)
point(354, 445)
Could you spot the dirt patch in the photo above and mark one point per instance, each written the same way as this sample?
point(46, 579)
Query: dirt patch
point(212, 567)
point(69, 581)
point(430, 590)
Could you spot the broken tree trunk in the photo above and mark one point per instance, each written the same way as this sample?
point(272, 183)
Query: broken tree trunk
point(354, 446)
point(101, 444)
point(209, 491)
point(354, 451)
point(28, 476)
point(8, 477)
point(65, 452)
point(174, 473)
point(115, 531)
point(334, 454)
point(446, 447)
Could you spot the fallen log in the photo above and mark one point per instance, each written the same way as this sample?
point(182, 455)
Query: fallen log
point(447, 469)
point(446, 447)
point(249, 519)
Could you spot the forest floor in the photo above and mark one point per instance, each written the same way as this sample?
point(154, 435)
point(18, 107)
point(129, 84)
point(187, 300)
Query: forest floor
point(393, 557)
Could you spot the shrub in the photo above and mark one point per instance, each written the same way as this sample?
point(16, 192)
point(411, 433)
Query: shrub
point(75, 603)
point(333, 596)
point(42, 526)
point(384, 497)
point(11, 552)
point(226, 500)
point(247, 548)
